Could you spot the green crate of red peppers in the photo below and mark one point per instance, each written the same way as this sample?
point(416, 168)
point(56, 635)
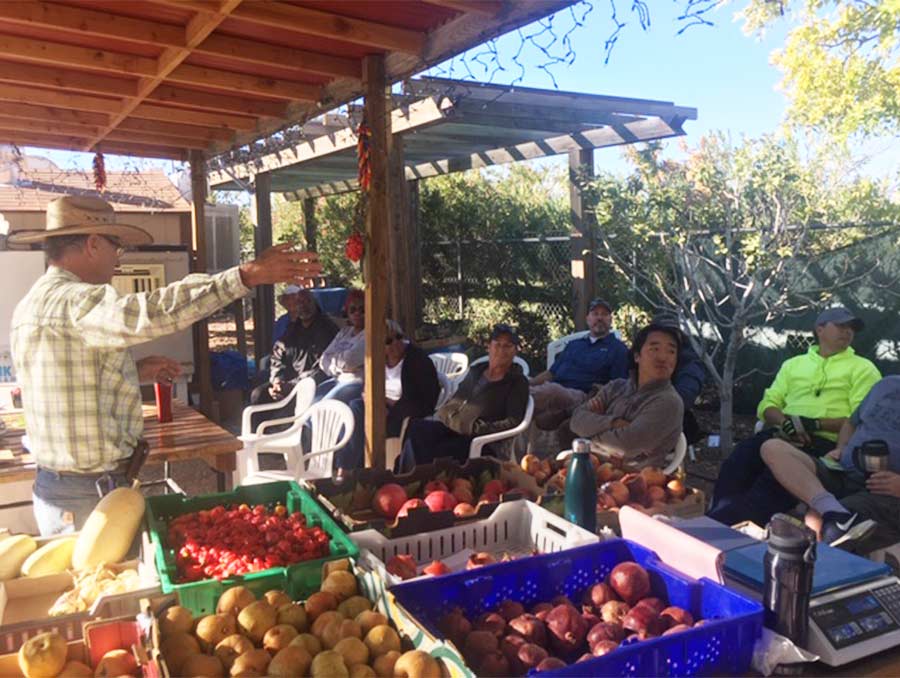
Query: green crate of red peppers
point(262, 536)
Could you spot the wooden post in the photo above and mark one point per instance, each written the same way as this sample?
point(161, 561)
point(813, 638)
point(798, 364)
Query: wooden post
point(377, 234)
point(584, 266)
point(264, 300)
point(201, 328)
point(415, 251)
point(309, 223)
point(403, 308)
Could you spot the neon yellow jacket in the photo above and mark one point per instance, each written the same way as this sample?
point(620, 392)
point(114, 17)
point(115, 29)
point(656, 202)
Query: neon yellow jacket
point(809, 385)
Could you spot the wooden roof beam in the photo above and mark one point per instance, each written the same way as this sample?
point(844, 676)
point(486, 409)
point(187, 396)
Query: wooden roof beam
point(153, 139)
point(77, 102)
point(143, 150)
point(29, 49)
point(483, 7)
point(240, 82)
point(195, 32)
point(216, 102)
point(177, 130)
point(44, 127)
point(50, 114)
point(252, 52)
point(31, 74)
point(92, 22)
point(333, 26)
point(148, 111)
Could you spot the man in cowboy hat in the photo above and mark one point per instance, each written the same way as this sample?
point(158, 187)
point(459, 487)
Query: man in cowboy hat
point(70, 338)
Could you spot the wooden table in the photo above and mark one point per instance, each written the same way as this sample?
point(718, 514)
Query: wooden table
point(189, 435)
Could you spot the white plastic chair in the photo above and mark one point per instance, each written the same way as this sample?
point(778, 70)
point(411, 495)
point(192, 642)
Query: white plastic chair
point(677, 455)
point(448, 388)
point(555, 347)
point(342, 381)
point(454, 366)
point(331, 425)
point(517, 360)
point(479, 442)
point(304, 393)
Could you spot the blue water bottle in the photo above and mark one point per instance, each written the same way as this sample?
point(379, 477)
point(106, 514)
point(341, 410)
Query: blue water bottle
point(581, 487)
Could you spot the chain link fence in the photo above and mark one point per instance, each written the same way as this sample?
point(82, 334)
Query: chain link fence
point(523, 281)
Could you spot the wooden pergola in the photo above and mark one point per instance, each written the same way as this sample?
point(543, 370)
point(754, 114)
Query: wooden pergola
point(441, 126)
point(188, 79)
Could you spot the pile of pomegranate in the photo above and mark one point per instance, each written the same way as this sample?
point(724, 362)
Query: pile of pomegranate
point(391, 500)
point(510, 641)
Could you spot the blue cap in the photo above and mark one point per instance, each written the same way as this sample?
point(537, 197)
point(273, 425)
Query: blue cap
point(839, 316)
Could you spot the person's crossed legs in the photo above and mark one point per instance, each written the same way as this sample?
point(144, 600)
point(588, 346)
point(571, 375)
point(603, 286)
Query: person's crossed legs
point(805, 478)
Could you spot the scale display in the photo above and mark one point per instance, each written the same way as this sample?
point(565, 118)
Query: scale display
point(850, 624)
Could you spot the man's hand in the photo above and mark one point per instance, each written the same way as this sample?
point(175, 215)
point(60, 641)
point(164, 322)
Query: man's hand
point(281, 263)
point(619, 423)
point(275, 389)
point(158, 368)
point(884, 482)
point(596, 406)
point(835, 453)
point(792, 427)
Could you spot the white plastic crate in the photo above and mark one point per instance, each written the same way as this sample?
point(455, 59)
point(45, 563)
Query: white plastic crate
point(514, 529)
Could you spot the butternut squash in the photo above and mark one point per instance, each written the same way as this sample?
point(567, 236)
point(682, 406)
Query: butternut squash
point(51, 558)
point(110, 529)
point(13, 552)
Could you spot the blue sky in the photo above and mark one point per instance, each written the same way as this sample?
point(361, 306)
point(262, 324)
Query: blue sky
point(717, 69)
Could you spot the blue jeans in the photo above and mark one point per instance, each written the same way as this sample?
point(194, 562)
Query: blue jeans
point(62, 502)
point(351, 390)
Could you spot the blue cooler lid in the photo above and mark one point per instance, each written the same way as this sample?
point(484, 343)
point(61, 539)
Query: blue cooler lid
point(834, 568)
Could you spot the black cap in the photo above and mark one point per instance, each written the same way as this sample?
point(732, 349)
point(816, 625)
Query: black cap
point(501, 329)
point(839, 316)
point(599, 302)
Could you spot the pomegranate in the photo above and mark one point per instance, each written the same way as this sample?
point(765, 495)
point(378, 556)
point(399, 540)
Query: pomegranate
point(455, 626)
point(678, 628)
point(656, 495)
point(605, 502)
point(676, 616)
point(603, 647)
point(540, 610)
point(403, 566)
point(494, 487)
point(654, 604)
point(551, 663)
point(643, 620)
point(605, 631)
point(617, 490)
point(477, 645)
point(493, 664)
point(463, 495)
point(440, 500)
point(479, 560)
point(530, 655)
point(409, 505)
point(653, 476)
point(464, 510)
point(597, 596)
point(436, 569)
point(630, 581)
point(637, 487)
point(491, 622)
point(676, 489)
point(614, 611)
point(567, 628)
point(436, 486)
point(530, 628)
point(510, 609)
point(388, 500)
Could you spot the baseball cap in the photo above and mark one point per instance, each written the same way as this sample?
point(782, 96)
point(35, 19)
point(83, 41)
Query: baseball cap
point(290, 289)
point(839, 316)
point(600, 302)
point(501, 329)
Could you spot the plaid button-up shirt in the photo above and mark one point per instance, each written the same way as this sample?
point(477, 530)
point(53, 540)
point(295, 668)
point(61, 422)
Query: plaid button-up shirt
point(79, 382)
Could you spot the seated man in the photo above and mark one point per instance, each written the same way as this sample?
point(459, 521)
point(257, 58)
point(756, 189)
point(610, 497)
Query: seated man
point(844, 505)
point(492, 398)
point(288, 299)
point(807, 404)
point(411, 389)
point(637, 419)
point(594, 359)
point(295, 357)
point(689, 378)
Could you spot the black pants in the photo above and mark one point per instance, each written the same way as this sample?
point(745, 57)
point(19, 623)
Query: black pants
point(427, 440)
point(260, 396)
point(746, 488)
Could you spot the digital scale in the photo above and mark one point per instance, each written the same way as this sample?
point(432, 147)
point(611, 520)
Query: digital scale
point(854, 610)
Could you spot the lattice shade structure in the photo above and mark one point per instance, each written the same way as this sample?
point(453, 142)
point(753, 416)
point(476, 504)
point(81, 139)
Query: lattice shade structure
point(161, 78)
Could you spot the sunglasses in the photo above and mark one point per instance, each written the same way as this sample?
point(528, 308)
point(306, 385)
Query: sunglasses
point(355, 309)
point(115, 242)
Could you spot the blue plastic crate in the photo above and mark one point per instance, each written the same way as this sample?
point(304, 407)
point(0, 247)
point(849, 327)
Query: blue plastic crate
point(722, 646)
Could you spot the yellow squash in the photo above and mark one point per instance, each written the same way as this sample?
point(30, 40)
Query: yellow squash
point(13, 552)
point(51, 558)
point(109, 530)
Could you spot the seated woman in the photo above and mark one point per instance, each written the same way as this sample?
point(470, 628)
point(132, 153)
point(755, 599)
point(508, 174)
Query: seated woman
point(342, 360)
point(637, 419)
point(493, 397)
point(411, 389)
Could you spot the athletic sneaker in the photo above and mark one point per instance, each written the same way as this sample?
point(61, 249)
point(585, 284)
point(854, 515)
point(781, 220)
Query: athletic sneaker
point(843, 529)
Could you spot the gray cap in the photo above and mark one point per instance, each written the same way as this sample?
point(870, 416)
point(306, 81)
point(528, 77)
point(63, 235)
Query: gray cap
point(599, 302)
point(839, 316)
point(290, 289)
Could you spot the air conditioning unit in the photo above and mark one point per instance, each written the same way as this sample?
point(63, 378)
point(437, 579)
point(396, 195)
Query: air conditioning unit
point(223, 237)
point(130, 278)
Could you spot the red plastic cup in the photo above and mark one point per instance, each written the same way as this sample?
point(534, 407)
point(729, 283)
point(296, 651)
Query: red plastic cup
point(163, 401)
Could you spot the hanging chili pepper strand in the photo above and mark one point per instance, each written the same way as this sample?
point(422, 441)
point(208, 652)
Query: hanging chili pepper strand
point(99, 172)
point(363, 147)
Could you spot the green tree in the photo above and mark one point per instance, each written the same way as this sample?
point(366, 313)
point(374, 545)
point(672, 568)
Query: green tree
point(841, 62)
point(734, 238)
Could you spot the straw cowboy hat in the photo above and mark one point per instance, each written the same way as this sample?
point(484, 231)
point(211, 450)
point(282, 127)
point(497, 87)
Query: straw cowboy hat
point(82, 215)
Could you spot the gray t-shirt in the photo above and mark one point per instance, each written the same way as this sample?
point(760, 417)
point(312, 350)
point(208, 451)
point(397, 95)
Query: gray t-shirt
point(877, 418)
